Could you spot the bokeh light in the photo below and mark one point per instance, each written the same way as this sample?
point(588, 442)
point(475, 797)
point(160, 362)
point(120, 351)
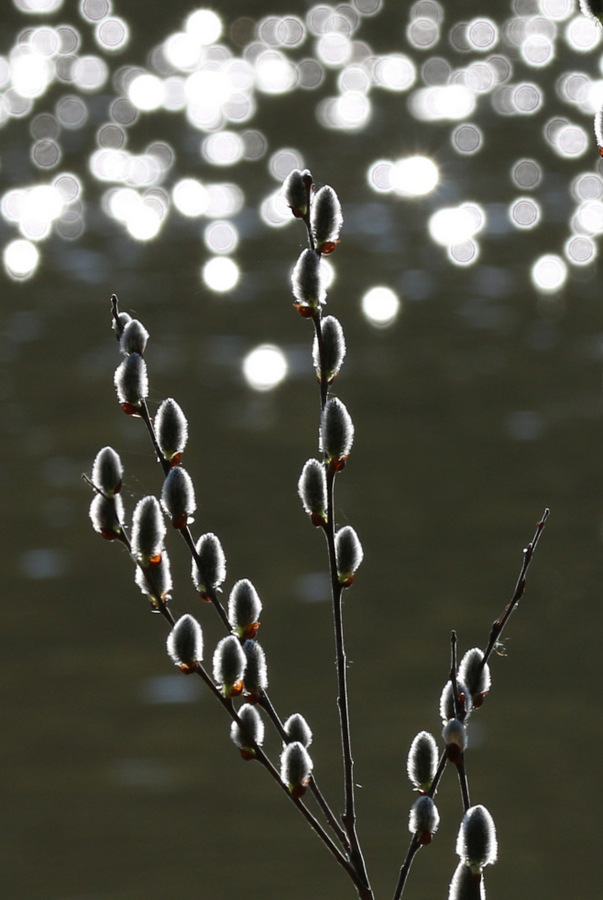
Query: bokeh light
point(380, 306)
point(265, 367)
point(220, 274)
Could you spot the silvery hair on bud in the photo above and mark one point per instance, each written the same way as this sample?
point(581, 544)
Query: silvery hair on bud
point(185, 642)
point(244, 606)
point(454, 732)
point(475, 675)
point(592, 8)
point(107, 514)
point(447, 705)
point(296, 764)
point(312, 487)
point(476, 843)
point(171, 428)
point(333, 348)
point(131, 380)
point(228, 662)
point(120, 323)
point(422, 760)
point(307, 279)
point(348, 551)
point(156, 580)
point(253, 728)
point(466, 885)
point(133, 338)
point(148, 529)
point(107, 471)
point(297, 729)
point(424, 817)
point(178, 496)
point(336, 430)
point(256, 670)
point(211, 570)
point(326, 218)
point(295, 191)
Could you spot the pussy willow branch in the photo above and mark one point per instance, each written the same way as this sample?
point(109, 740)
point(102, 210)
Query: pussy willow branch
point(496, 630)
point(212, 596)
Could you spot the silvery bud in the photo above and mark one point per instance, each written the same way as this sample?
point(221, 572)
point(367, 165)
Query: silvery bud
point(133, 338)
point(312, 488)
point(333, 349)
point(148, 531)
point(296, 768)
point(249, 732)
point(106, 515)
point(229, 666)
point(118, 324)
point(178, 497)
point(447, 705)
point(325, 219)
point(307, 282)
point(185, 644)
point(454, 733)
point(593, 9)
point(297, 729)
point(466, 885)
point(422, 761)
point(155, 579)
point(476, 675)
point(171, 430)
point(296, 189)
point(209, 568)
point(107, 472)
point(244, 608)
point(131, 383)
point(336, 431)
point(349, 554)
point(424, 819)
point(476, 843)
point(256, 671)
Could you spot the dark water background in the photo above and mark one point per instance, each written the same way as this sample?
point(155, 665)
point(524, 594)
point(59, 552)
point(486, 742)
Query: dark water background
point(480, 406)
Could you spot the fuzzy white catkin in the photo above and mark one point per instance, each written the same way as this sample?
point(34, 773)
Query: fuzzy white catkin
point(148, 529)
point(210, 571)
point(185, 642)
point(476, 842)
point(171, 428)
point(228, 663)
point(422, 760)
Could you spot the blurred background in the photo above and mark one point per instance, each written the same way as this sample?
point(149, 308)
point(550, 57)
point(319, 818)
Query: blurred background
point(142, 151)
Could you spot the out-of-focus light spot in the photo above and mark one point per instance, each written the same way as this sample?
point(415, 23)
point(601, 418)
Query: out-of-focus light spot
point(274, 210)
point(38, 6)
point(43, 204)
point(221, 274)
point(69, 39)
point(582, 34)
point(588, 186)
point(395, 72)
point(423, 33)
point(69, 187)
point(580, 250)
point(549, 273)
point(537, 50)
point(205, 26)
point(89, 72)
point(348, 112)
point(415, 176)
point(333, 50)
point(265, 367)
point(467, 139)
point(111, 136)
point(437, 71)
point(526, 174)
point(31, 72)
point(450, 102)
point(94, 10)
point(146, 92)
point(290, 31)
point(367, 7)
point(455, 225)
point(182, 51)
point(380, 306)
point(480, 77)
point(353, 78)
point(482, 34)
point(525, 212)
point(310, 74)
point(71, 111)
point(46, 154)
point(527, 98)
point(221, 237)
point(141, 218)
point(224, 200)
point(112, 34)
point(464, 253)
point(275, 73)
point(282, 162)
point(190, 197)
point(123, 111)
point(21, 259)
point(109, 165)
point(589, 217)
point(225, 148)
point(570, 140)
point(556, 9)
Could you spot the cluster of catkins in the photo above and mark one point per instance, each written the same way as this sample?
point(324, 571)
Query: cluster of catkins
point(476, 843)
point(239, 664)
